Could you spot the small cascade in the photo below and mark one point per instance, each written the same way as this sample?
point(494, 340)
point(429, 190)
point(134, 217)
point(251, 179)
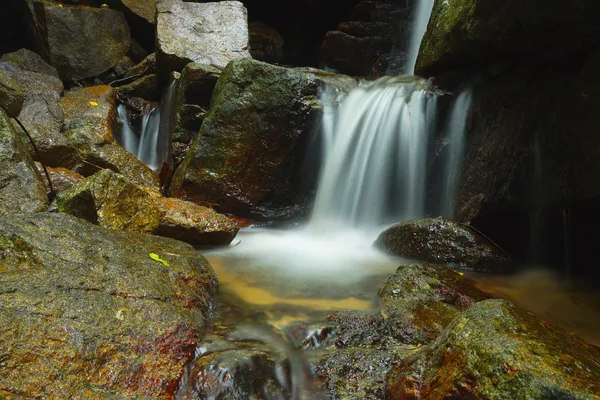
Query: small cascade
point(128, 139)
point(153, 146)
point(456, 128)
point(420, 21)
point(375, 148)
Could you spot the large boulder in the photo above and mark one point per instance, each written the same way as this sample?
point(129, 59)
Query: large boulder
point(266, 44)
point(29, 61)
point(443, 241)
point(110, 200)
point(247, 152)
point(496, 350)
point(90, 119)
point(141, 16)
point(21, 186)
point(206, 33)
point(465, 33)
point(87, 313)
point(80, 42)
point(11, 94)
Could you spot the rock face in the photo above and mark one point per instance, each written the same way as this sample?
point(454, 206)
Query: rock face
point(244, 158)
point(110, 200)
point(90, 117)
point(80, 42)
point(266, 44)
point(443, 241)
point(11, 94)
point(141, 17)
point(495, 350)
point(21, 188)
point(206, 33)
point(29, 61)
point(464, 33)
point(86, 313)
point(421, 300)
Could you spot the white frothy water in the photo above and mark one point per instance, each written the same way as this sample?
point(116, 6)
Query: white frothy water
point(420, 21)
point(153, 146)
point(375, 148)
point(456, 147)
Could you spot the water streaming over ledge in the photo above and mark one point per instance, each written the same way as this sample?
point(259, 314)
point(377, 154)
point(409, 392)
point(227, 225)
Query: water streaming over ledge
point(419, 24)
point(375, 148)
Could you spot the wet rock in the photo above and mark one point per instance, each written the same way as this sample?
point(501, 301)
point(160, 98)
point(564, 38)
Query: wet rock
point(266, 44)
point(123, 66)
point(110, 200)
point(497, 350)
point(86, 313)
point(443, 241)
point(62, 179)
point(11, 94)
point(421, 300)
point(192, 99)
point(29, 61)
point(250, 172)
point(90, 117)
point(206, 33)
point(465, 33)
point(141, 17)
point(145, 67)
point(80, 42)
point(146, 87)
point(21, 188)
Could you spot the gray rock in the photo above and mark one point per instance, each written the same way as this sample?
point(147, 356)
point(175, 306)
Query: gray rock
point(80, 42)
point(443, 241)
point(21, 186)
point(11, 94)
point(87, 313)
point(206, 33)
point(29, 61)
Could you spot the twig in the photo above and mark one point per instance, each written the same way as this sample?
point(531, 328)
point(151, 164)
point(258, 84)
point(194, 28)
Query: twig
point(486, 237)
point(52, 193)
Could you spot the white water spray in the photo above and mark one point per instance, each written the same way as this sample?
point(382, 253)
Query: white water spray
point(129, 140)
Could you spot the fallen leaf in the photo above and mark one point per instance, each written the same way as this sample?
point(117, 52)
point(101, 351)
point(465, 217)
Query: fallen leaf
point(156, 257)
point(93, 103)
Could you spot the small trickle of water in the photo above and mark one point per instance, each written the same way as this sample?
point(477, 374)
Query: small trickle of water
point(153, 146)
point(456, 148)
point(375, 148)
point(420, 21)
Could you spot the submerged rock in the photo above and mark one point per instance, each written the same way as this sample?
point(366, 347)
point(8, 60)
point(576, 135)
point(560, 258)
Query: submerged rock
point(206, 33)
point(21, 186)
point(90, 117)
point(80, 42)
point(110, 200)
point(442, 241)
point(421, 300)
point(495, 350)
point(87, 313)
point(245, 159)
point(464, 33)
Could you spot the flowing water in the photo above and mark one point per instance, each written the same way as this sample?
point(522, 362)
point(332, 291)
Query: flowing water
point(420, 21)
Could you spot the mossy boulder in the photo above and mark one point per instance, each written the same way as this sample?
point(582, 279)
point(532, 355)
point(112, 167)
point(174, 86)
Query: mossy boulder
point(29, 61)
point(467, 33)
point(421, 300)
point(245, 159)
point(495, 350)
point(80, 42)
point(21, 186)
point(87, 313)
point(110, 200)
point(90, 121)
point(11, 94)
point(443, 241)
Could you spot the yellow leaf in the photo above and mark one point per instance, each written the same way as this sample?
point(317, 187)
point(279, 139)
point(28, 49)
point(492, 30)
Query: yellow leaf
point(156, 257)
point(93, 103)
point(60, 5)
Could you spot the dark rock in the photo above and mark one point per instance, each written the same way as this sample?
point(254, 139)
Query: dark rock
point(266, 44)
point(206, 33)
point(123, 66)
point(90, 118)
point(445, 242)
point(497, 350)
point(21, 186)
point(110, 200)
point(249, 172)
point(11, 94)
point(29, 61)
point(465, 33)
point(192, 99)
point(141, 17)
point(62, 179)
point(80, 42)
point(146, 87)
point(87, 313)
point(146, 67)
point(421, 300)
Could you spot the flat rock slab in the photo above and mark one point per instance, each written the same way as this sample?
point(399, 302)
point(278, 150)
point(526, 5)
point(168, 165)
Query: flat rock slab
point(85, 312)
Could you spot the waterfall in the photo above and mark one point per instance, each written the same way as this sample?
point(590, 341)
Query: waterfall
point(455, 151)
point(375, 148)
point(420, 21)
point(154, 145)
point(128, 138)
